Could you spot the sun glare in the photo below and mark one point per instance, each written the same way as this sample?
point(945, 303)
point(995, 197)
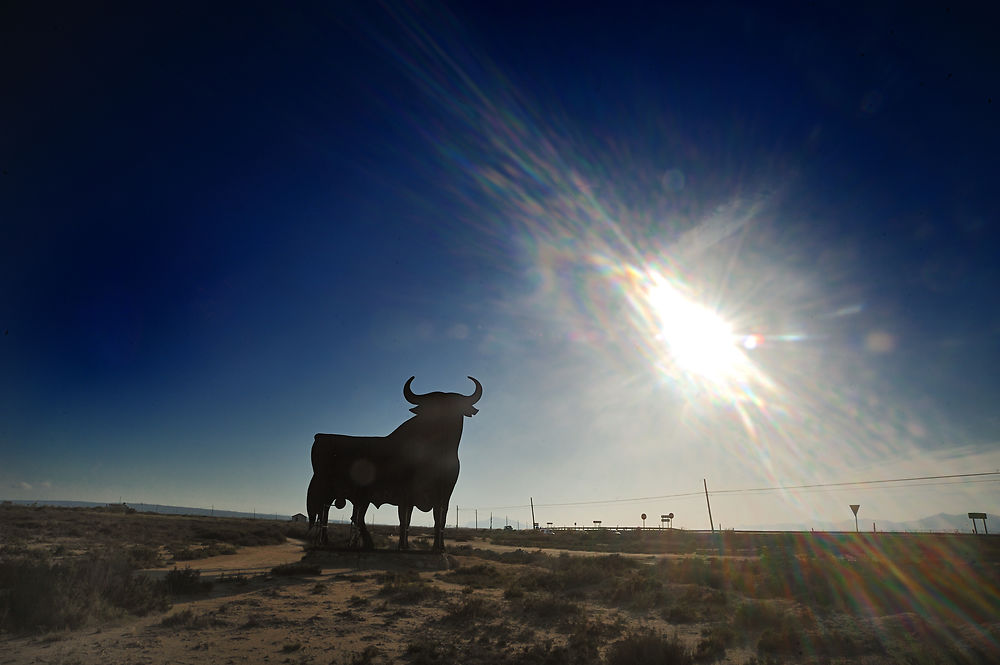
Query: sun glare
point(699, 340)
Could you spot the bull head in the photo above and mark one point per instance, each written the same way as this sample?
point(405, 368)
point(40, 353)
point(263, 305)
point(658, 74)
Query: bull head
point(443, 403)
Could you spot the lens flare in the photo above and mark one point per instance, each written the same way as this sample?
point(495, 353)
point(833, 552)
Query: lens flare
point(698, 339)
point(693, 344)
point(710, 279)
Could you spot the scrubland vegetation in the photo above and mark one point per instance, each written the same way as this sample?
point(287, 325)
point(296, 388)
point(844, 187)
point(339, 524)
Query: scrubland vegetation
point(63, 568)
point(731, 598)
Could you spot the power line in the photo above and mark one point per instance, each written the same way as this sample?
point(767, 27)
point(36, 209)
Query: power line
point(591, 503)
point(858, 484)
point(916, 484)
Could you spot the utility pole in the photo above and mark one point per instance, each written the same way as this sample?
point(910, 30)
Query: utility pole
point(710, 522)
point(477, 519)
point(456, 516)
point(534, 524)
point(491, 520)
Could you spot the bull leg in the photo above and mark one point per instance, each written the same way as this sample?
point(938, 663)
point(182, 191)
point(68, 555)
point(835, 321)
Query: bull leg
point(440, 513)
point(360, 508)
point(324, 536)
point(405, 512)
point(318, 510)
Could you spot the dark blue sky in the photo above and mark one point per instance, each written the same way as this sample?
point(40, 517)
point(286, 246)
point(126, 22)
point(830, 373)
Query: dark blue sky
point(227, 228)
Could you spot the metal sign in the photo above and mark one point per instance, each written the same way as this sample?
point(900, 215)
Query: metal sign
point(978, 516)
point(854, 507)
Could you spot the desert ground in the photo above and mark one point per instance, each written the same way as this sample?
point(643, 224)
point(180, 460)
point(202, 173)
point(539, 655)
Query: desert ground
point(493, 597)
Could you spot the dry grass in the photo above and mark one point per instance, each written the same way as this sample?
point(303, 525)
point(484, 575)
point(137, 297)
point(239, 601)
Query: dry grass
point(791, 600)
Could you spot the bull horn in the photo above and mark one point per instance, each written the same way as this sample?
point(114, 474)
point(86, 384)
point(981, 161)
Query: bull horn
point(409, 395)
point(474, 397)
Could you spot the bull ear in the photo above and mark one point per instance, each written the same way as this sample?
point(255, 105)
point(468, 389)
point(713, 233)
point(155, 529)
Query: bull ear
point(477, 393)
point(409, 394)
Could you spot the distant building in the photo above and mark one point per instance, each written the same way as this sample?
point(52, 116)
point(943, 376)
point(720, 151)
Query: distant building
point(298, 517)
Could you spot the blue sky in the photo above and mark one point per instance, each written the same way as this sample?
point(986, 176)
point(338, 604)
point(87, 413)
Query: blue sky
point(226, 230)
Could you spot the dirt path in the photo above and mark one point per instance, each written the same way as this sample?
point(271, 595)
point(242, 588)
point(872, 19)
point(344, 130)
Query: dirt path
point(257, 559)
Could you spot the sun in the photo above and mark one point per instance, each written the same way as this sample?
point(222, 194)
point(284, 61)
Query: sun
point(697, 339)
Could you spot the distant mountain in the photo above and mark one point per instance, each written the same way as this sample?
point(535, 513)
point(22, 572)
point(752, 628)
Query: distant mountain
point(940, 523)
point(157, 508)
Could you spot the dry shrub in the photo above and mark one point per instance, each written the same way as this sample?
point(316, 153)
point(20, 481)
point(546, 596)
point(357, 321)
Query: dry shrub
point(754, 614)
point(648, 648)
point(297, 568)
point(476, 576)
point(550, 608)
point(364, 657)
point(713, 642)
point(428, 651)
point(191, 620)
point(192, 553)
point(472, 609)
point(406, 587)
point(185, 581)
point(38, 595)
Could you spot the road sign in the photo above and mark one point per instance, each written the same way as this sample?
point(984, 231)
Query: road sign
point(978, 516)
point(854, 507)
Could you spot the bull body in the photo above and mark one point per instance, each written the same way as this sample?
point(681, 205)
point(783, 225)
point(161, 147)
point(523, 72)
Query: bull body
point(416, 466)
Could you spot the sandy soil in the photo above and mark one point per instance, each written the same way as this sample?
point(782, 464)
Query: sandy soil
point(328, 618)
point(248, 560)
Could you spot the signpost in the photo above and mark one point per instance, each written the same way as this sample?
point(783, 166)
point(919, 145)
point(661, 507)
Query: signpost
point(643, 517)
point(854, 508)
point(978, 516)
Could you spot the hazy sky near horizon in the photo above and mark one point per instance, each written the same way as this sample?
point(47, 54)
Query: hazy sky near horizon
point(753, 246)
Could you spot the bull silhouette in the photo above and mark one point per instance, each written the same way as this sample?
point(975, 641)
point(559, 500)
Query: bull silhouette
point(414, 466)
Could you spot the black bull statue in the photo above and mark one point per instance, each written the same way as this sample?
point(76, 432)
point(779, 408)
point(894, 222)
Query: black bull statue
point(414, 466)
